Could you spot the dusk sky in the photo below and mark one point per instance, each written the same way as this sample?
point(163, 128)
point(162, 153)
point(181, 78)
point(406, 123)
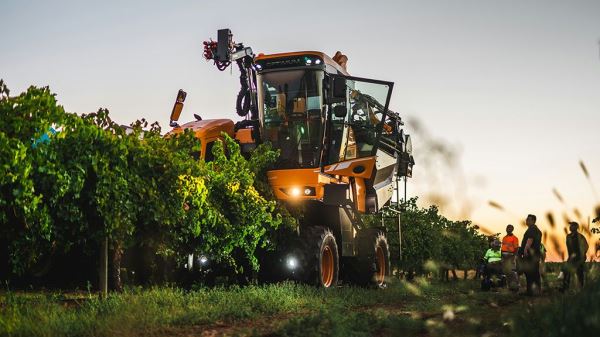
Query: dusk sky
point(513, 87)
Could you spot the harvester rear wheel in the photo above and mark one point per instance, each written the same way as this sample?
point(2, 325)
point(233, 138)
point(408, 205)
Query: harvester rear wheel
point(322, 259)
point(373, 264)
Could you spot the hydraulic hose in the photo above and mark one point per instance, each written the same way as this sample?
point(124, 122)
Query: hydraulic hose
point(242, 105)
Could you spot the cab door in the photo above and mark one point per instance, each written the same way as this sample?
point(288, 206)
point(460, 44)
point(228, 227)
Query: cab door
point(357, 112)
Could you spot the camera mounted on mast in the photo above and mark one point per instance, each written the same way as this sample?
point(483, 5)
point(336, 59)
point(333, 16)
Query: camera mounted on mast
point(223, 52)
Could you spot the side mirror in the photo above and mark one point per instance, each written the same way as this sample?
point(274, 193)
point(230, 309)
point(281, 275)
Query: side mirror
point(177, 108)
point(339, 111)
point(401, 139)
point(408, 144)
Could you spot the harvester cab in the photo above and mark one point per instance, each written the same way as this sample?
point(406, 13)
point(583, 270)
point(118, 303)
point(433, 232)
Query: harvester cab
point(342, 153)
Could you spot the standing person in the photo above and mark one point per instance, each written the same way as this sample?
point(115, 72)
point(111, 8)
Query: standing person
point(532, 239)
point(510, 246)
point(577, 248)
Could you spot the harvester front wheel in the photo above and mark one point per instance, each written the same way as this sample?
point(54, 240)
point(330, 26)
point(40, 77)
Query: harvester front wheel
point(373, 258)
point(322, 257)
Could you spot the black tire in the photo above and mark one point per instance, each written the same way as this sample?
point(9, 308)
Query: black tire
point(373, 260)
point(321, 263)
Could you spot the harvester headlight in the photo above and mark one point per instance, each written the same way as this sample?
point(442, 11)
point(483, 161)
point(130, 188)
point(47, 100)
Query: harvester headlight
point(203, 260)
point(317, 61)
point(299, 191)
point(291, 262)
point(295, 191)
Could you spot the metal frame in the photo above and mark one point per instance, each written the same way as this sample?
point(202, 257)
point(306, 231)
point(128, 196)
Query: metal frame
point(379, 127)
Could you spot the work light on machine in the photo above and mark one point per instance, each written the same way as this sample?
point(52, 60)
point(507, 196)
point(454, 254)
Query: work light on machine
point(203, 260)
point(291, 262)
point(295, 191)
point(298, 191)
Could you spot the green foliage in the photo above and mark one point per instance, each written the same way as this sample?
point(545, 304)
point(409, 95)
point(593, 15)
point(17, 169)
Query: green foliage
point(24, 217)
point(431, 241)
point(242, 213)
point(463, 245)
point(92, 180)
point(261, 159)
point(570, 315)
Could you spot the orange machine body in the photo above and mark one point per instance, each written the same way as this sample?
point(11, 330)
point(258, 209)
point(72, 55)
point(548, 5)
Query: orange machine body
point(207, 131)
point(290, 184)
point(336, 160)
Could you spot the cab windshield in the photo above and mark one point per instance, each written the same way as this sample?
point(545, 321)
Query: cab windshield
point(290, 103)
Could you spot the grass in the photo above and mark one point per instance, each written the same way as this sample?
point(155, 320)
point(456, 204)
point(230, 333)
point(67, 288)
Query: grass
point(338, 323)
point(144, 310)
point(577, 313)
point(287, 309)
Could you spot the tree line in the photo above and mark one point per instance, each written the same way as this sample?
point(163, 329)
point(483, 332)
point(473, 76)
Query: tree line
point(431, 243)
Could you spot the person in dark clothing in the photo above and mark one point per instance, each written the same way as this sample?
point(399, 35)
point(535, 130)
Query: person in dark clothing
point(577, 247)
point(530, 252)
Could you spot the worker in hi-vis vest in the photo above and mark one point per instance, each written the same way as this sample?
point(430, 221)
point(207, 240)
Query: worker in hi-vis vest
point(493, 257)
point(510, 246)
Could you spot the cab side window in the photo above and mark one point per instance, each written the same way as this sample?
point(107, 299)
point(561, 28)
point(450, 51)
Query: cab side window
point(356, 122)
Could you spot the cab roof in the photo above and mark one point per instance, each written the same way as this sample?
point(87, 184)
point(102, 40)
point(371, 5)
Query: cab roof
point(326, 59)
